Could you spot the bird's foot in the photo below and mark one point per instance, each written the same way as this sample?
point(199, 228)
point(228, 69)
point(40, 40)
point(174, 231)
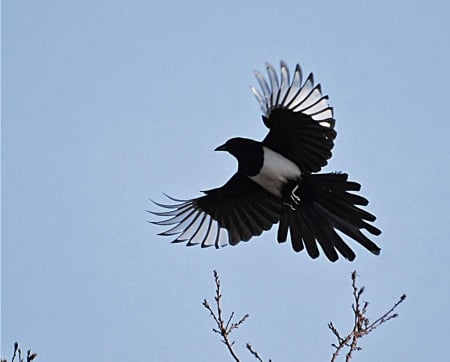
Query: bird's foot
point(294, 199)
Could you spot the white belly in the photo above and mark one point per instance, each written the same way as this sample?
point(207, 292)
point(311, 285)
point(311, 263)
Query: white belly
point(276, 171)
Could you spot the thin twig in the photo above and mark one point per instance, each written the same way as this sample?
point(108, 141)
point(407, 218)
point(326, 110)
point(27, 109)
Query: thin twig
point(17, 352)
point(254, 353)
point(31, 356)
point(361, 324)
point(224, 329)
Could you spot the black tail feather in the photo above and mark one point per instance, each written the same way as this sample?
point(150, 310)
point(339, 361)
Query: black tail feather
point(322, 231)
point(327, 206)
point(296, 234)
point(307, 235)
point(285, 220)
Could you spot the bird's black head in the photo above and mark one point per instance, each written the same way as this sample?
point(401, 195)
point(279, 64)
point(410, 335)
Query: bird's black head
point(249, 153)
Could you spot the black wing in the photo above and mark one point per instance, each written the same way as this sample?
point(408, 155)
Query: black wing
point(226, 215)
point(300, 120)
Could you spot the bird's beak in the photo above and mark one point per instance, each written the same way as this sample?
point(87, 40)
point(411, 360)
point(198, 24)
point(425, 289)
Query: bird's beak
point(221, 148)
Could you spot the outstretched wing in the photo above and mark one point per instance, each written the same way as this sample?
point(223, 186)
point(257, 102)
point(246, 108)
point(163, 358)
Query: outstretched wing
point(226, 215)
point(299, 117)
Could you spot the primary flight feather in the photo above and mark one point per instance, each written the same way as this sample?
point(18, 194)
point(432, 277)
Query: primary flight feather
point(277, 181)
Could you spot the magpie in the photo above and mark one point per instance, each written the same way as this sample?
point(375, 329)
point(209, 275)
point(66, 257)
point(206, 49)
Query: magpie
point(277, 181)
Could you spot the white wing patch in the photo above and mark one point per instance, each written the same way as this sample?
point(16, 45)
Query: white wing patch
point(191, 225)
point(282, 93)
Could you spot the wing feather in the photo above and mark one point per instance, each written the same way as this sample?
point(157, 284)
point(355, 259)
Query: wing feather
point(298, 116)
point(226, 215)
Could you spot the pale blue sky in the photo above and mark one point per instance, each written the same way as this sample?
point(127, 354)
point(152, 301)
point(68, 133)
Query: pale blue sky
point(106, 104)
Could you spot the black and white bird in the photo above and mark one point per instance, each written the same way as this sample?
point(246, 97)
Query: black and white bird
point(277, 181)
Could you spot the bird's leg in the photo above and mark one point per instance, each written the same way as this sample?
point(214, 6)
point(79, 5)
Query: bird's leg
point(294, 199)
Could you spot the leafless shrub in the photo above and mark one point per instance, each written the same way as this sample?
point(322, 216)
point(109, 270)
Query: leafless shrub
point(361, 326)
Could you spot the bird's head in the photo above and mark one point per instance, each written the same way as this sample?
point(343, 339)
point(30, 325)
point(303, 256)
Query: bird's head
point(249, 153)
point(238, 145)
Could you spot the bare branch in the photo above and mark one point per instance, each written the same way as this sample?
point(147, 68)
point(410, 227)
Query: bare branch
point(253, 352)
point(31, 356)
point(18, 353)
point(361, 324)
point(224, 329)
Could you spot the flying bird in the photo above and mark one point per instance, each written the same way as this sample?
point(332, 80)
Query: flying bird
point(277, 181)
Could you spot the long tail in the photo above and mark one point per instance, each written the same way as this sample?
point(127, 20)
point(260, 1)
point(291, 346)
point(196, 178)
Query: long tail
point(324, 205)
